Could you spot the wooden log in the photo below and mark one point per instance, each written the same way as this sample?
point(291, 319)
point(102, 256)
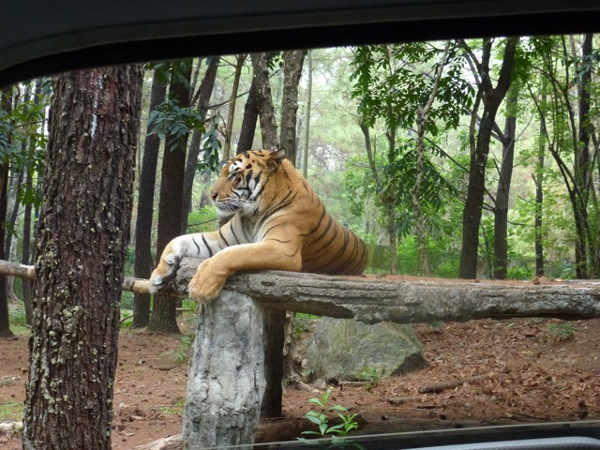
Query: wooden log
point(226, 379)
point(371, 300)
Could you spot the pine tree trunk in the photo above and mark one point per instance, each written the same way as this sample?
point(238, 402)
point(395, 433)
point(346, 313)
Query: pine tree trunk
point(240, 59)
point(266, 111)
point(6, 105)
point(206, 88)
point(292, 71)
point(143, 224)
point(170, 224)
point(249, 121)
point(82, 239)
point(503, 190)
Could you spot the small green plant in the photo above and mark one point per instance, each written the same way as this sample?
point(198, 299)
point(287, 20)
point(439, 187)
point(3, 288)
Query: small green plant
point(321, 419)
point(183, 349)
point(563, 331)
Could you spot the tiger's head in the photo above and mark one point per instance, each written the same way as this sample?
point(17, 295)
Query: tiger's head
point(242, 181)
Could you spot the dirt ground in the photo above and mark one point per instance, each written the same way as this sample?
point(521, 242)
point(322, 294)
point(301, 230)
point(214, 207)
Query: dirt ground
point(512, 371)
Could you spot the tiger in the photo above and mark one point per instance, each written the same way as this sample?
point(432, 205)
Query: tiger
point(272, 219)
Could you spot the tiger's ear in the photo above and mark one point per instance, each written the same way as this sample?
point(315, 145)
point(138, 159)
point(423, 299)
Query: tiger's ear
point(276, 155)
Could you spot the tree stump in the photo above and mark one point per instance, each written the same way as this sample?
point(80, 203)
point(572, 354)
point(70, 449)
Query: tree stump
point(226, 377)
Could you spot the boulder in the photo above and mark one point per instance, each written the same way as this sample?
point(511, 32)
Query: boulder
point(344, 349)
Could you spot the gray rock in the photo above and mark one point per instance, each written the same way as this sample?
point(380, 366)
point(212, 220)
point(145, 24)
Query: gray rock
point(346, 349)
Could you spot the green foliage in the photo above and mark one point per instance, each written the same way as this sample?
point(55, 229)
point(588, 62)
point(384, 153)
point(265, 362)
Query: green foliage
point(127, 315)
point(391, 82)
point(173, 120)
point(320, 418)
point(210, 148)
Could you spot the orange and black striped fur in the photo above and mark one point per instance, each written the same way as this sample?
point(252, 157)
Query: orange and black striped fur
point(276, 221)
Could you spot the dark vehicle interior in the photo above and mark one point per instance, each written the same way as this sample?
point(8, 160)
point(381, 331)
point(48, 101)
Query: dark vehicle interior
point(41, 38)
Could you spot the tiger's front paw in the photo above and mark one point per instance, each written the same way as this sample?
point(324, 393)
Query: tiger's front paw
point(206, 285)
point(166, 269)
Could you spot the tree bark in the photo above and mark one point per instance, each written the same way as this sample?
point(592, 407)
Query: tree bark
point(250, 117)
point(205, 91)
point(143, 223)
point(503, 190)
point(82, 239)
point(6, 105)
point(307, 116)
point(583, 164)
point(266, 111)
point(293, 61)
point(170, 224)
point(491, 98)
point(239, 65)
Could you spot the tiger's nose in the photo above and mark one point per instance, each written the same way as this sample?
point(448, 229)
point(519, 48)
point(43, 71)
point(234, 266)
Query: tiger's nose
point(214, 195)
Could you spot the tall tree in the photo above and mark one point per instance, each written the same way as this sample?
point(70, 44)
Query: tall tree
point(82, 239)
point(293, 60)
point(248, 128)
point(491, 97)
point(170, 222)
point(203, 95)
point(5, 142)
point(503, 189)
point(572, 122)
point(239, 65)
point(393, 85)
point(422, 116)
point(143, 223)
point(264, 104)
point(307, 116)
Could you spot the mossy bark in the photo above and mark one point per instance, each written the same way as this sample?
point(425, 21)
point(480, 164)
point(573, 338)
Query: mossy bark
point(82, 236)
